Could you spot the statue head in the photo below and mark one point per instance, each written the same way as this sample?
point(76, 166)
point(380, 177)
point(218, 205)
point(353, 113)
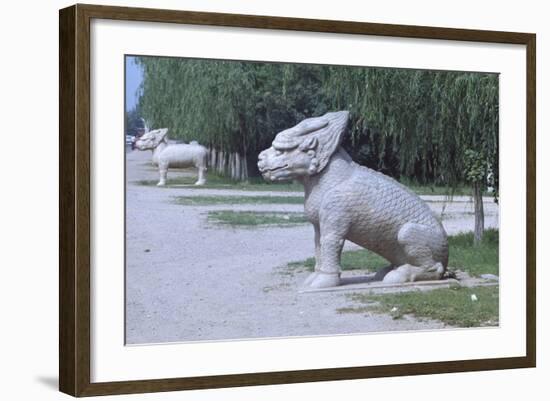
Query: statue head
point(151, 139)
point(304, 149)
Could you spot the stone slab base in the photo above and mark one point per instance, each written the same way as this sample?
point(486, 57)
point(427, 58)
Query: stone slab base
point(356, 282)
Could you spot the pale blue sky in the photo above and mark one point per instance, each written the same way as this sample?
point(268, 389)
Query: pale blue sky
point(134, 77)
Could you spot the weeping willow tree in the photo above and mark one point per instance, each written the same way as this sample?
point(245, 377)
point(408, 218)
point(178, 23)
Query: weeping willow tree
point(433, 126)
point(234, 107)
point(410, 124)
point(418, 123)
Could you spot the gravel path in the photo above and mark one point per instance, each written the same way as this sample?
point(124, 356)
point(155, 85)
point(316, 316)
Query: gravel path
point(188, 280)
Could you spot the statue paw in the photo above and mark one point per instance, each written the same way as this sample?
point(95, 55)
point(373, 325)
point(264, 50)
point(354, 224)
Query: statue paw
point(310, 278)
point(324, 280)
point(161, 184)
point(200, 183)
point(403, 274)
point(383, 272)
point(409, 273)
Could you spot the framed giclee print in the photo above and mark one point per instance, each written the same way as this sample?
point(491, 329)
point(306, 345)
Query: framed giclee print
point(251, 200)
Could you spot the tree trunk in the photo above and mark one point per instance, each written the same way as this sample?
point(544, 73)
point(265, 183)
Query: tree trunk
point(479, 215)
point(231, 165)
point(244, 168)
point(238, 173)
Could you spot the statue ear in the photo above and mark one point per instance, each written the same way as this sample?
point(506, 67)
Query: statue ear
point(309, 125)
point(330, 137)
point(160, 135)
point(309, 143)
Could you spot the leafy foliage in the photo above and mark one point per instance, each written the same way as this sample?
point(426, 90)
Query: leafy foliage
point(476, 166)
point(414, 124)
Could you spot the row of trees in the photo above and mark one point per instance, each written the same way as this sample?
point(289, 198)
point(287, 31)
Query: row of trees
point(417, 124)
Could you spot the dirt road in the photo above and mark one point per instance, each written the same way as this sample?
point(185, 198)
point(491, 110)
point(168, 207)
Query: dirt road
point(189, 280)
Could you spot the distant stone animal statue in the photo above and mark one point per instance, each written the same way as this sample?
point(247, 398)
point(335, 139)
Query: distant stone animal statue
point(167, 155)
point(346, 201)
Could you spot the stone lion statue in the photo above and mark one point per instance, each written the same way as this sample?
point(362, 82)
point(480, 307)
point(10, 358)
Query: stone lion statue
point(167, 155)
point(346, 201)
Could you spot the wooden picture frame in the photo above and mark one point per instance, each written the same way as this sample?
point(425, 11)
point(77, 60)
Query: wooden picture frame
point(75, 207)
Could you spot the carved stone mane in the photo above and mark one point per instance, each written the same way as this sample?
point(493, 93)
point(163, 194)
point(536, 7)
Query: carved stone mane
point(325, 133)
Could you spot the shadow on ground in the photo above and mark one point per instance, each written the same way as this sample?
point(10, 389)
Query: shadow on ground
point(49, 381)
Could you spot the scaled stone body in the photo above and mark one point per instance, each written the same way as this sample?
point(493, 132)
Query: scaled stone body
point(167, 155)
point(346, 201)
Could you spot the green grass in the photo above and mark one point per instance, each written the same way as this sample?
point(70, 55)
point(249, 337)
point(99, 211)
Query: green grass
point(475, 260)
point(214, 180)
point(246, 218)
point(463, 255)
point(426, 189)
point(351, 260)
point(217, 181)
point(236, 200)
point(453, 306)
